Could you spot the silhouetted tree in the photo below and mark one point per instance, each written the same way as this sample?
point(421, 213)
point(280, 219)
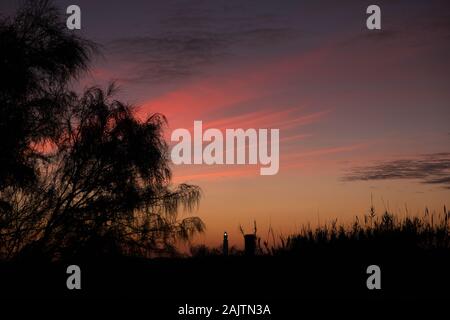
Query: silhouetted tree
point(38, 58)
point(82, 175)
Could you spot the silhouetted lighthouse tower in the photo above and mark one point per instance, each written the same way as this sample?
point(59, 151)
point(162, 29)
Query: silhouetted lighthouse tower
point(250, 244)
point(225, 244)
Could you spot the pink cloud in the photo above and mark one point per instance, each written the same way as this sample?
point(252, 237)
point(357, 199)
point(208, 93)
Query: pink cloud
point(201, 98)
point(326, 151)
point(219, 173)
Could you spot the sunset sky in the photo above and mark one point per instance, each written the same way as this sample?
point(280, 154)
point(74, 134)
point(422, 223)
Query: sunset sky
point(360, 112)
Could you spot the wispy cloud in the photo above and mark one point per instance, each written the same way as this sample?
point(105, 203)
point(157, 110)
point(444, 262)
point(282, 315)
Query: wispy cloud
point(192, 37)
point(327, 151)
point(217, 174)
point(429, 169)
point(233, 87)
point(167, 57)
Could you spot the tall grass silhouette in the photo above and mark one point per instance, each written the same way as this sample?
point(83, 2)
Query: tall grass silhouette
point(386, 232)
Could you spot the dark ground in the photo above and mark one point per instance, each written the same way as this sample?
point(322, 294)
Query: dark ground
point(330, 275)
point(289, 285)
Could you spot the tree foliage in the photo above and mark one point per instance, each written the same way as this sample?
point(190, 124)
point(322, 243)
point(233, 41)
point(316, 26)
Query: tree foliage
point(80, 174)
